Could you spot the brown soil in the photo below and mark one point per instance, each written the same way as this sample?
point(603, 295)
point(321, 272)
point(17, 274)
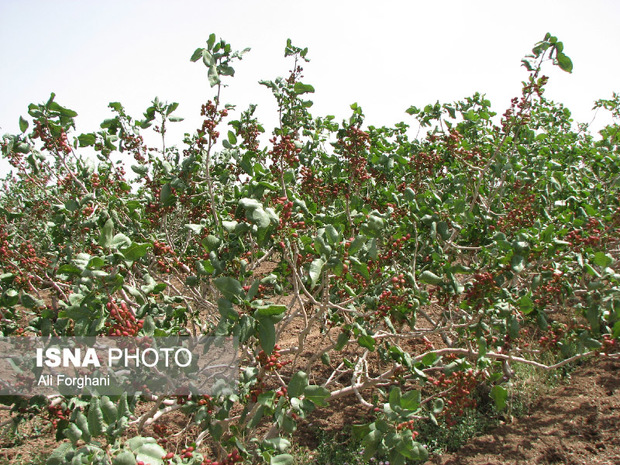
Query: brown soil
point(575, 424)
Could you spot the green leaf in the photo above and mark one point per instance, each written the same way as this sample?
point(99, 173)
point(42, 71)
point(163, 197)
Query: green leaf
point(602, 259)
point(366, 341)
point(282, 459)
point(165, 193)
point(298, 383)
point(96, 425)
point(73, 433)
point(151, 453)
point(135, 251)
point(429, 277)
point(525, 304)
point(499, 394)
point(564, 62)
point(357, 244)
point(23, 124)
point(279, 444)
point(333, 236)
point(229, 287)
point(273, 312)
point(267, 335)
point(214, 78)
point(196, 55)
point(411, 400)
point(260, 218)
point(317, 394)
point(107, 232)
point(438, 405)
point(108, 409)
point(123, 407)
point(82, 422)
point(58, 456)
point(124, 458)
point(315, 271)
point(120, 240)
point(301, 88)
point(211, 41)
point(62, 110)
point(429, 359)
point(342, 340)
point(30, 302)
point(394, 398)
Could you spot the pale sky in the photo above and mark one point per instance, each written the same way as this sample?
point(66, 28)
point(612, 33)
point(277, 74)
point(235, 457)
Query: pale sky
point(386, 56)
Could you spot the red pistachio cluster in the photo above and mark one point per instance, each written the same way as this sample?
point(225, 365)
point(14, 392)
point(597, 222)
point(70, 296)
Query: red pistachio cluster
point(213, 117)
point(553, 336)
point(588, 236)
point(122, 320)
point(284, 152)
point(24, 261)
point(521, 211)
point(481, 290)
point(231, 458)
point(57, 413)
point(552, 291)
point(460, 384)
point(51, 143)
point(271, 362)
point(355, 144)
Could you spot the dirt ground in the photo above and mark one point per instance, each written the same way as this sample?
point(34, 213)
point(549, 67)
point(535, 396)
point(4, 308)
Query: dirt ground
point(575, 424)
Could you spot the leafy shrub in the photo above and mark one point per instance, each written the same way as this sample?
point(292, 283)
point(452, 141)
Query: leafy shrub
point(348, 260)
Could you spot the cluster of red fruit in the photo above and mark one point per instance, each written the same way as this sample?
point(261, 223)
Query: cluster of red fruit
point(593, 229)
point(522, 214)
point(212, 119)
point(609, 345)
point(57, 413)
point(24, 263)
point(354, 145)
point(160, 248)
point(396, 245)
point(260, 292)
point(461, 384)
point(550, 292)
point(195, 211)
point(271, 362)
point(424, 166)
point(284, 151)
point(123, 323)
point(135, 145)
point(249, 133)
point(207, 401)
point(231, 458)
point(49, 142)
point(452, 144)
point(481, 291)
point(554, 335)
point(15, 159)
point(286, 212)
point(408, 425)
point(161, 430)
point(389, 300)
point(256, 391)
